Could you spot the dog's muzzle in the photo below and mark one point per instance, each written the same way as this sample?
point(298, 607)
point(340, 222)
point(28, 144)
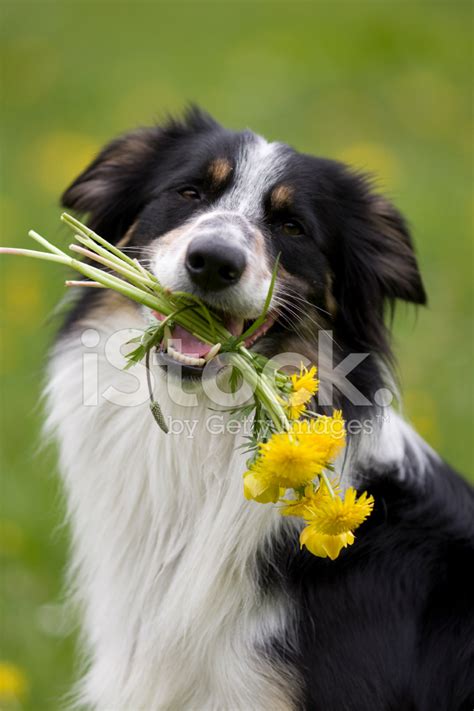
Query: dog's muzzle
point(214, 263)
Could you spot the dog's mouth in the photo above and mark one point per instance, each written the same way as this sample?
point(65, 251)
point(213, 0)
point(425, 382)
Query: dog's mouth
point(181, 347)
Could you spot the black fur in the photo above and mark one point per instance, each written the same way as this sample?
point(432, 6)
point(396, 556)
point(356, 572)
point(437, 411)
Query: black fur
point(388, 626)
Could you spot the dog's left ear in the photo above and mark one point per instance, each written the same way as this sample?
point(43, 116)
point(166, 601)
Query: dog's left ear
point(372, 258)
point(386, 246)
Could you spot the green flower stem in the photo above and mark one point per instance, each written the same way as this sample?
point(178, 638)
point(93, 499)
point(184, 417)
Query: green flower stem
point(204, 329)
point(328, 484)
point(44, 242)
point(36, 255)
point(243, 361)
point(75, 225)
point(114, 262)
point(134, 277)
point(271, 395)
point(133, 281)
point(191, 321)
point(142, 269)
point(261, 319)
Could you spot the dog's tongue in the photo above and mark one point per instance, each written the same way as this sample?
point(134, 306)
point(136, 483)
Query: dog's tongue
point(186, 343)
point(190, 345)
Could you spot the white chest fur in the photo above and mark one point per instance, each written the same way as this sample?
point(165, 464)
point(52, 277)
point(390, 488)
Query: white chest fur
point(164, 548)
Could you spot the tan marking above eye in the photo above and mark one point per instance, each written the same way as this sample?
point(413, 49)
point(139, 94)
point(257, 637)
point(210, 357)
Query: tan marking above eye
point(219, 170)
point(282, 196)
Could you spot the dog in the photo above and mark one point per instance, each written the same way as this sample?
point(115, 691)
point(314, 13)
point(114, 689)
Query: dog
point(192, 597)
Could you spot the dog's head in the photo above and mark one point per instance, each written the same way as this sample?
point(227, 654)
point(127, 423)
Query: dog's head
point(209, 210)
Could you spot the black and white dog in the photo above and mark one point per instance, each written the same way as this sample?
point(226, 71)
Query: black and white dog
point(194, 598)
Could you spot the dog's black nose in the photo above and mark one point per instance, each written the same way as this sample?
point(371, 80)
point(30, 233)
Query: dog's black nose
point(213, 263)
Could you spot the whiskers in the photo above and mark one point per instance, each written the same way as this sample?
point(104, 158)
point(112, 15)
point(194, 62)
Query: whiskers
point(286, 290)
point(144, 255)
point(295, 312)
point(299, 314)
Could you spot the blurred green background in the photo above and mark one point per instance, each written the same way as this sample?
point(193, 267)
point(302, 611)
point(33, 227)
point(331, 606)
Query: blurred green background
point(382, 85)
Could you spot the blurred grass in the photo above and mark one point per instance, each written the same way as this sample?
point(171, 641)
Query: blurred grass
point(384, 85)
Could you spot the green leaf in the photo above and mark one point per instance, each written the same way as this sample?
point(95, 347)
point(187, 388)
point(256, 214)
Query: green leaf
point(261, 319)
point(235, 379)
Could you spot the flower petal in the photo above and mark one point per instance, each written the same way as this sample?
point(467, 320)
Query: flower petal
point(324, 545)
point(258, 489)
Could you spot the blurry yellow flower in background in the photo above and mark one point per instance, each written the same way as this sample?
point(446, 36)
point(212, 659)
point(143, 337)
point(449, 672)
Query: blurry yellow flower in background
point(129, 108)
point(373, 158)
point(59, 158)
point(10, 217)
point(23, 294)
point(12, 538)
point(13, 683)
point(423, 411)
point(438, 104)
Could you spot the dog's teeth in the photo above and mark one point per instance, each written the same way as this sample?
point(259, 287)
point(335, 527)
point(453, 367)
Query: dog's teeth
point(213, 352)
point(189, 360)
point(184, 359)
point(174, 354)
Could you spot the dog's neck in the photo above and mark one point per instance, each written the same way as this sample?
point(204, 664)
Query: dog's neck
point(165, 545)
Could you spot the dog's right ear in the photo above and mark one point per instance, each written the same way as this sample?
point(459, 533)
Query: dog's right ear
point(113, 188)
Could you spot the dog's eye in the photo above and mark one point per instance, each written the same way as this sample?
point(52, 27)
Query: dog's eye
point(292, 228)
point(189, 193)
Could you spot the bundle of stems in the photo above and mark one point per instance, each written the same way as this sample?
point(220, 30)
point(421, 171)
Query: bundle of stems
point(113, 269)
point(292, 452)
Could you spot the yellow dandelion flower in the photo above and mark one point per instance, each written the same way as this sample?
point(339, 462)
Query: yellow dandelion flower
point(330, 425)
point(298, 507)
point(13, 683)
point(324, 545)
point(292, 459)
point(328, 434)
point(295, 407)
point(333, 515)
point(311, 499)
point(289, 459)
point(306, 382)
point(305, 385)
point(332, 521)
point(258, 487)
